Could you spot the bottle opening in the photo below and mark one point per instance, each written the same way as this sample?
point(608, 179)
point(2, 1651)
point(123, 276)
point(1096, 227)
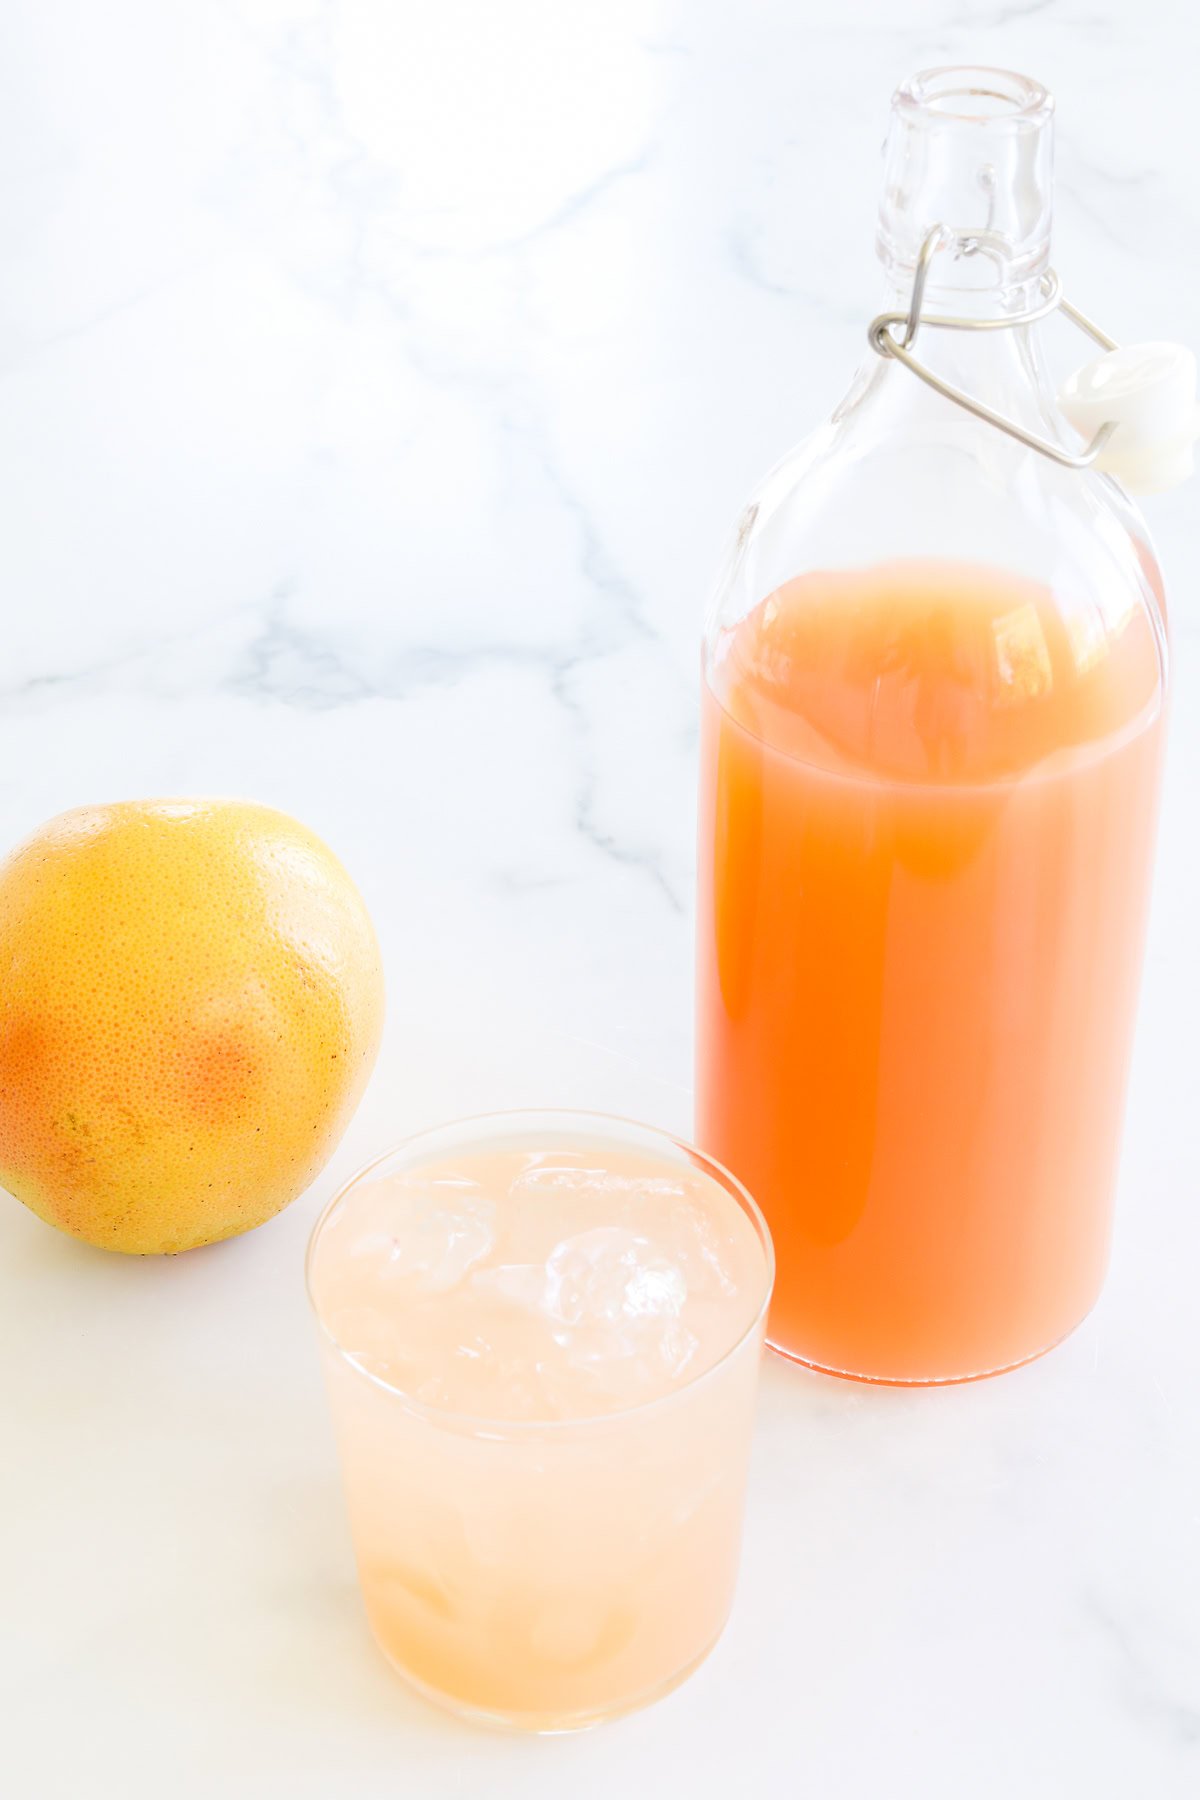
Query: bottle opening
point(975, 95)
point(971, 150)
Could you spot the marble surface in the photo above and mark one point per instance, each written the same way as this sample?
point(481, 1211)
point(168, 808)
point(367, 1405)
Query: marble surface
point(379, 382)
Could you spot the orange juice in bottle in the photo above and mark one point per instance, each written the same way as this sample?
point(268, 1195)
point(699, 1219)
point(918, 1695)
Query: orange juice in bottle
point(934, 686)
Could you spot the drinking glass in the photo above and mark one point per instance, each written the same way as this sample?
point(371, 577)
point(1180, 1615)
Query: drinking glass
point(548, 1573)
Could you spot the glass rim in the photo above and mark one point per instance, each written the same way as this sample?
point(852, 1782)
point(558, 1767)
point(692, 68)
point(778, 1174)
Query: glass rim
point(487, 1424)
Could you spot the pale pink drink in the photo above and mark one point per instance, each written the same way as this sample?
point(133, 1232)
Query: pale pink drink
point(541, 1335)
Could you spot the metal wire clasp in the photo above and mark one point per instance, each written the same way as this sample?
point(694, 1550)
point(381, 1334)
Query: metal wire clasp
point(882, 338)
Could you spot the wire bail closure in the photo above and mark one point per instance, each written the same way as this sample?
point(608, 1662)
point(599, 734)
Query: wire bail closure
point(883, 340)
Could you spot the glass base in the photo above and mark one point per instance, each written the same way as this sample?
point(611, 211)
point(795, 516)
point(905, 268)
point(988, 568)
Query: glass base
point(544, 1724)
point(923, 1381)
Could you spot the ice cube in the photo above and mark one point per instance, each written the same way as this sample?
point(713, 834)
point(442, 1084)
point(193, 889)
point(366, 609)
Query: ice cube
point(610, 1274)
point(424, 1234)
point(541, 1180)
point(674, 1211)
point(617, 1300)
point(544, 1176)
point(620, 1359)
point(700, 1247)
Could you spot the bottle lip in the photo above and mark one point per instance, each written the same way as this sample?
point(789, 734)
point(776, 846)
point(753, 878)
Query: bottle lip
point(971, 94)
point(969, 148)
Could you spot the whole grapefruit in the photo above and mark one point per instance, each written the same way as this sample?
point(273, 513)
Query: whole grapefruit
point(191, 1001)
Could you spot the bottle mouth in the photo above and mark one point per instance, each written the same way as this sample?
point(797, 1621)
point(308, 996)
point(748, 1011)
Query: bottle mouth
point(970, 150)
point(980, 96)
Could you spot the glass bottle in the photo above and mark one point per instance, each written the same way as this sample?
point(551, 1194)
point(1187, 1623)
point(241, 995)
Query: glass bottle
point(934, 688)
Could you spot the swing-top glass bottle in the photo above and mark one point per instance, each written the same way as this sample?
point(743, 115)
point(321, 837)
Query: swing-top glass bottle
point(934, 689)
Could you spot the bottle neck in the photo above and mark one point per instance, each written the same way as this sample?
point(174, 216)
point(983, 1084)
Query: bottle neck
point(1005, 296)
point(969, 154)
point(1003, 366)
point(968, 159)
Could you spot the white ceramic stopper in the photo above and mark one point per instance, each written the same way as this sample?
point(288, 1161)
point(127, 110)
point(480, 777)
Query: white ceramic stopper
point(1149, 392)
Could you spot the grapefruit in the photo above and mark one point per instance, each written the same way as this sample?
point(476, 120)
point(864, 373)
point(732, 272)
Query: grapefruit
point(191, 1002)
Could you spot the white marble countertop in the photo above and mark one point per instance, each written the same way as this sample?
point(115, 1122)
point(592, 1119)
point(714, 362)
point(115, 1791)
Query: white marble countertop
point(379, 382)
